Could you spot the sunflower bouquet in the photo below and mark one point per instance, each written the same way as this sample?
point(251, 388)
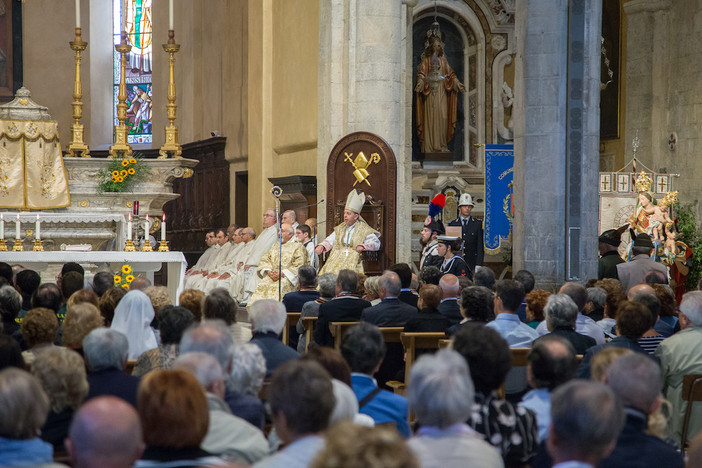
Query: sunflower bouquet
point(124, 278)
point(122, 174)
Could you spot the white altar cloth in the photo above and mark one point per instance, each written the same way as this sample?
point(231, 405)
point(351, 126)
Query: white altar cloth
point(141, 262)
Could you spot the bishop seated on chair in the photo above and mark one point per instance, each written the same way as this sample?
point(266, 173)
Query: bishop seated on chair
point(294, 255)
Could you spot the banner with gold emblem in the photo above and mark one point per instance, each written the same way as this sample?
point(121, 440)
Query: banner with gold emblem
point(499, 211)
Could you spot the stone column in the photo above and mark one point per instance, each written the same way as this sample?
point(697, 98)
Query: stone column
point(556, 137)
point(361, 61)
point(646, 75)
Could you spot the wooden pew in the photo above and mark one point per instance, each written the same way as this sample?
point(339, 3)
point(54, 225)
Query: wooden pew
point(412, 341)
point(290, 321)
point(308, 323)
point(131, 363)
point(337, 330)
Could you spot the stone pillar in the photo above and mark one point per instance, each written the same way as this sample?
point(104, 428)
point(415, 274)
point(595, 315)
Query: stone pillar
point(646, 73)
point(361, 62)
point(556, 137)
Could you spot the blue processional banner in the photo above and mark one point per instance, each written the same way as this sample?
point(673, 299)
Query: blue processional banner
point(499, 164)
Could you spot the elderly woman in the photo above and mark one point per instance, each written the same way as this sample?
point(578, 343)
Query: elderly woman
point(371, 288)
point(535, 303)
point(10, 306)
point(82, 296)
point(133, 316)
point(61, 373)
point(219, 304)
point(23, 409)
point(108, 302)
point(191, 299)
point(327, 290)
point(174, 320)
point(476, 304)
point(39, 330)
point(174, 415)
point(512, 430)
point(441, 394)
point(248, 369)
point(429, 319)
point(80, 320)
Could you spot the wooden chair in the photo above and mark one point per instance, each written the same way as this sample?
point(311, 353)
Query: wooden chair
point(519, 359)
point(337, 330)
point(291, 321)
point(392, 334)
point(131, 363)
point(443, 344)
point(308, 323)
point(412, 341)
point(691, 392)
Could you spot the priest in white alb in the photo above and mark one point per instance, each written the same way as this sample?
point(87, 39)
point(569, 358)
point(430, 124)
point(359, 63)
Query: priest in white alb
point(197, 276)
point(279, 266)
point(263, 242)
point(349, 239)
point(213, 279)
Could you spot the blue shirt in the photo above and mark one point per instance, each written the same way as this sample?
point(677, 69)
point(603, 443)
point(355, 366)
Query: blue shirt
point(517, 334)
point(539, 401)
point(384, 407)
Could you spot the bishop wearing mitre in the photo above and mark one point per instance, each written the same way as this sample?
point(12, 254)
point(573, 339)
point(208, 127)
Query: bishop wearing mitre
point(349, 239)
point(294, 255)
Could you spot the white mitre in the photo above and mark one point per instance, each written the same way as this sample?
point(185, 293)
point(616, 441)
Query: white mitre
point(355, 201)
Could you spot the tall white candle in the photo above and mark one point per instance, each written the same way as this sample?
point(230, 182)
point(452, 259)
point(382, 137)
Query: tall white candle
point(77, 13)
point(124, 15)
point(17, 228)
point(170, 14)
point(163, 228)
point(129, 227)
point(146, 227)
point(38, 228)
point(2, 226)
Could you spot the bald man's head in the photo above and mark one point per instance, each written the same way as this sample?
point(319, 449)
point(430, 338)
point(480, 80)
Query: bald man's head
point(449, 285)
point(105, 432)
point(640, 290)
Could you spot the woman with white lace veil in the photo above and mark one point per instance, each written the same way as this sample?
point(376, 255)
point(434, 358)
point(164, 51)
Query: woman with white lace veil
point(133, 316)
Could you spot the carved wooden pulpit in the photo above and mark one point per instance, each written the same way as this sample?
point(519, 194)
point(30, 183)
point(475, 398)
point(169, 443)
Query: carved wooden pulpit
point(365, 161)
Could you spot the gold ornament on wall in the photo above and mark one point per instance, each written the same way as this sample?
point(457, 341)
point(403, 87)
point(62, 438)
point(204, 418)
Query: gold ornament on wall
point(360, 165)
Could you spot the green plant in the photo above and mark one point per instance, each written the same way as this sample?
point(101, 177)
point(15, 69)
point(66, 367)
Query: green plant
point(122, 174)
point(690, 235)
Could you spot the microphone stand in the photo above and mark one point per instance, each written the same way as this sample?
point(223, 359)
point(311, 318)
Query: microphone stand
point(277, 192)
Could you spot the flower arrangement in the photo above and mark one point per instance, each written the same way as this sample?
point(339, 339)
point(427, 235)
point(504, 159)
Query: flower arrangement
point(124, 278)
point(122, 174)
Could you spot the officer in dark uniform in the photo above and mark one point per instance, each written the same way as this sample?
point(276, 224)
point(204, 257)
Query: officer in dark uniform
point(430, 256)
point(609, 255)
point(449, 248)
point(472, 232)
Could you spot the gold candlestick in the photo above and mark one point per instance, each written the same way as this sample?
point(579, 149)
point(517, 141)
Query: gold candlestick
point(171, 145)
point(18, 246)
point(38, 247)
point(147, 245)
point(163, 246)
point(121, 147)
point(129, 246)
point(77, 145)
point(3, 245)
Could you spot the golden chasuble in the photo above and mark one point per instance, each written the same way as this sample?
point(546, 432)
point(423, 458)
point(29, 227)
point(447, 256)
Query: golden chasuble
point(294, 256)
point(343, 254)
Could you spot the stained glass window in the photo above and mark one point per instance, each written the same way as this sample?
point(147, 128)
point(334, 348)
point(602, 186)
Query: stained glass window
point(137, 16)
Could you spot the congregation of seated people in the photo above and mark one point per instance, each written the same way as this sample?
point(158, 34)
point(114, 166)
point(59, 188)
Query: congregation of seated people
point(585, 375)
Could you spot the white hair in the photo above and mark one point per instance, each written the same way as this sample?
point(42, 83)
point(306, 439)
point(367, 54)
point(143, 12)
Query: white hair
point(105, 348)
point(248, 369)
point(691, 306)
point(203, 366)
point(268, 315)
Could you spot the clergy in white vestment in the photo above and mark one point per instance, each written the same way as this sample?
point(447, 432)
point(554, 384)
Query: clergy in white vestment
point(212, 280)
point(228, 273)
point(349, 239)
point(290, 217)
point(216, 259)
point(263, 242)
point(278, 267)
point(197, 272)
point(210, 242)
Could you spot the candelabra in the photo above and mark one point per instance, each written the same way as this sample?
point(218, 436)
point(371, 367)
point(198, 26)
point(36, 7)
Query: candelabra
point(121, 147)
point(77, 146)
point(171, 146)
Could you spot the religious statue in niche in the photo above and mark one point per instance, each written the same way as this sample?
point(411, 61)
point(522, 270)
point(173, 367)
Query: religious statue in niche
point(437, 91)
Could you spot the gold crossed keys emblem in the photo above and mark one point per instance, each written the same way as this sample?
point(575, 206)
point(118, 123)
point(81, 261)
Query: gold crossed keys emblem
point(360, 164)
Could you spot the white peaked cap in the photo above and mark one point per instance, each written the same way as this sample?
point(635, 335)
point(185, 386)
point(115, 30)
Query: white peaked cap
point(466, 199)
point(355, 201)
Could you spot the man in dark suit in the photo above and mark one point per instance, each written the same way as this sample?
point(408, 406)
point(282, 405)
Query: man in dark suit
point(267, 322)
point(391, 312)
point(405, 273)
point(632, 273)
point(561, 313)
point(306, 292)
point(608, 245)
point(471, 232)
point(106, 353)
point(449, 307)
point(345, 307)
